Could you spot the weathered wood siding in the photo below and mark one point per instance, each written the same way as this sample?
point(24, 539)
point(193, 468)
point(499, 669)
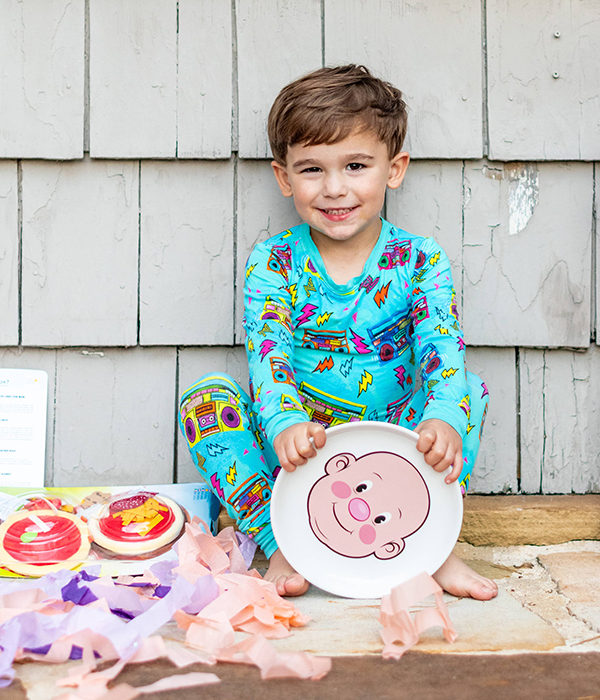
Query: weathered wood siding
point(135, 179)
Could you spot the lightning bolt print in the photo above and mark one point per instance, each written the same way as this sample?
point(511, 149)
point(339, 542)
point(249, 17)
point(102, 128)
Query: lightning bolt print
point(381, 294)
point(265, 348)
point(294, 295)
point(449, 372)
point(215, 449)
point(461, 344)
point(309, 287)
point(364, 382)
point(264, 330)
point(345, 367)
point(359, 343)
point(232, 474)
point(417, 290)
point(400, 375)
point(323, 318)
point(308, 311)
point(434, 259)
point(441, 330)
point(216, 484)
point(327, 363)
point(249, 270)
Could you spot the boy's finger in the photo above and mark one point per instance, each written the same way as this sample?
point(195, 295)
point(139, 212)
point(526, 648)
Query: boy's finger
point(285, 461)
point(426, 440)
point(436, 455)
point(457, 466)
point(304, 447)
point(445, 460)
point(317, 432)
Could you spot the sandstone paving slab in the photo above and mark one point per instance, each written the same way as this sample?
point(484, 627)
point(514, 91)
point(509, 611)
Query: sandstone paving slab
point(577, 576)
point(341, 626)
point(39, 680)
point(539, 588)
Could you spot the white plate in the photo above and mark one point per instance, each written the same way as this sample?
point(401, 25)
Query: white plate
point(378, 516)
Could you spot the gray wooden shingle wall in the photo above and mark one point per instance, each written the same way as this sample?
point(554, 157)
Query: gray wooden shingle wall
point(134, 180)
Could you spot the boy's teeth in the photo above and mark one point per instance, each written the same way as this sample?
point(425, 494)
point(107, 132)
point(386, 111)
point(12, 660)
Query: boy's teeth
point(338, 211)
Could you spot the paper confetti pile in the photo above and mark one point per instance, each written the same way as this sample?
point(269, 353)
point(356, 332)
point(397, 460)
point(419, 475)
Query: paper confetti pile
point(208, 590)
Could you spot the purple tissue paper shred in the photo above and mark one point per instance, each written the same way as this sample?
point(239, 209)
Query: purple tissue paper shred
point(39, 650)
point(161, 591)
point(79, 596)
point(88, 577)
point(122, 613)
point(163, 570)
point(247, 547)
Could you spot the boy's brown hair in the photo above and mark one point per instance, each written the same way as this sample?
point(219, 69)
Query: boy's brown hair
point(327, 104)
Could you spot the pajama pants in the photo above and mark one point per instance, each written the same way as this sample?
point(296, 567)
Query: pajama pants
point(240, 466)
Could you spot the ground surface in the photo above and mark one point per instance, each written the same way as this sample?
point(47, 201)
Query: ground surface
point(539, 639)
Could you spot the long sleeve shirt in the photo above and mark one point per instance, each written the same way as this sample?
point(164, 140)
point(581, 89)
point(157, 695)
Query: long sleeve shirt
point(334, 353)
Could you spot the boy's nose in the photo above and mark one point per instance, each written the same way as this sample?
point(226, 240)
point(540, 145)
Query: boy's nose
point(334, 186)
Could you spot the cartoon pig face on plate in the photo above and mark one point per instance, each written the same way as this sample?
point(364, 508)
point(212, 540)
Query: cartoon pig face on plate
point(367, 505)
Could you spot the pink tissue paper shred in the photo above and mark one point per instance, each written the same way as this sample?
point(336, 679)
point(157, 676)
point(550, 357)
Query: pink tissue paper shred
point(401, 631)
point(208, 591)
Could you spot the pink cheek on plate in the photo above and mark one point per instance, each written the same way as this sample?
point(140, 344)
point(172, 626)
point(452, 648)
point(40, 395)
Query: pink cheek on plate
point(367, 534)
point(340, 489)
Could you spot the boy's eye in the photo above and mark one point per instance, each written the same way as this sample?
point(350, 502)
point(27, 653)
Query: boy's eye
point(313, 169)
point(355, 166)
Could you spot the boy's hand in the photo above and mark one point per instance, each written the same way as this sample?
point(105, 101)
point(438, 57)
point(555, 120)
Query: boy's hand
point(441, 446)
point(293, 445)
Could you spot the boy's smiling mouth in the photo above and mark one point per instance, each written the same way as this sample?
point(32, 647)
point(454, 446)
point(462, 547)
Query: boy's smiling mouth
point(335, 213)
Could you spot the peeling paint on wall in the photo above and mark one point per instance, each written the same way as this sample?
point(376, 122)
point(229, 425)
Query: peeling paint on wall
point(523, 191)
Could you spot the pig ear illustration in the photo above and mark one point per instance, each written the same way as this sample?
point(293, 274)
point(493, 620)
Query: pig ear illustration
point(389, 550)
point(339, 462)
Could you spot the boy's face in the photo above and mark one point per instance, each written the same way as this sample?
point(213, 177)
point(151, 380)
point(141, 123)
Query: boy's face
point(339, 188)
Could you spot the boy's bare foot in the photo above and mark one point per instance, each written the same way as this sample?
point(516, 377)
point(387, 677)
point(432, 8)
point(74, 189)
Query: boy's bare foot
point(286, 579)
point(455, 577)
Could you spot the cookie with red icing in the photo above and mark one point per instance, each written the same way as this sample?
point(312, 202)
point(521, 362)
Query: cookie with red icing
point(137, 525)
point(37, 542)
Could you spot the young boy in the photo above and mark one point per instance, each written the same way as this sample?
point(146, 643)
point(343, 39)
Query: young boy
point(347, 318)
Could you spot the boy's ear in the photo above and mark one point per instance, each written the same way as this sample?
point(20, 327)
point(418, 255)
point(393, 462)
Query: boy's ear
point(281, 175)
point(398, 166)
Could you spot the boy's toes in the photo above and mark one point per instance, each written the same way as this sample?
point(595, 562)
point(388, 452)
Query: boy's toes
point(458, 579)
point(482, 589)
point(294, 585)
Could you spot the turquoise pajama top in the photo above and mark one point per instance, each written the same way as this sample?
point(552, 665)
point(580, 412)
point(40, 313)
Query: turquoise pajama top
point(335, 353)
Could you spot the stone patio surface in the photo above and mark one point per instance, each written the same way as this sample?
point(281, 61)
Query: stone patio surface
point(548, 602)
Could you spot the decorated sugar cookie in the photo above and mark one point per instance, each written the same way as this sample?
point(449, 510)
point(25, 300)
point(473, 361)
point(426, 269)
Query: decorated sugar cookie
point(136, 525)
point(37, 542)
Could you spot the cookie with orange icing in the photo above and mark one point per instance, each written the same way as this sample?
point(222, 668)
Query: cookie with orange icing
point(40, 541)
point(136, 526)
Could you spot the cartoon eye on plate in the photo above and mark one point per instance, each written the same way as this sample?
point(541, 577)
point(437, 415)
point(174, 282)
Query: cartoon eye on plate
point(364, 486)
point(382, 518)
